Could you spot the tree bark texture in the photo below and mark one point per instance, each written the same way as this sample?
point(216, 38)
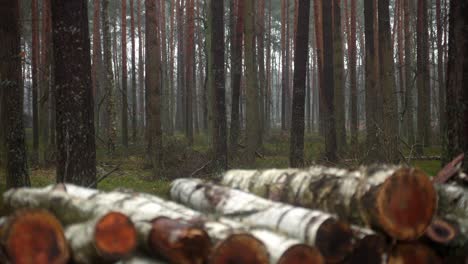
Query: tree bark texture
point(76, 161)
point(124, 91)
point(311, 227)
point(399, 201)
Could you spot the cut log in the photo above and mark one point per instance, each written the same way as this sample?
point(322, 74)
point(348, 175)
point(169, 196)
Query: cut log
point(81, 204)
point(35, 237)
point(106, 239)
point(240, 249)
point(413, 254)
point(441, 231)
point(399, 201)
point(331, 237)
point(371, 247)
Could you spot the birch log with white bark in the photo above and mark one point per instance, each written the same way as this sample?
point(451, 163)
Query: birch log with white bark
point(106, 239)
point(399, 201)
point(331, 237)
point(34, 236)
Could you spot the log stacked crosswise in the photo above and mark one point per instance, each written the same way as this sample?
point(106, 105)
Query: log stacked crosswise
point(377, 214)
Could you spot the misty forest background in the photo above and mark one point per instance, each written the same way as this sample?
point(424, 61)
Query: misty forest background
point(135, 93)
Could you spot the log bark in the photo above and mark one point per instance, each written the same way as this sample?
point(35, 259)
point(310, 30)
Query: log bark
point(73, 204)
point(332, 237)
point(35, 237)
point(399, 201)
point(105, 239)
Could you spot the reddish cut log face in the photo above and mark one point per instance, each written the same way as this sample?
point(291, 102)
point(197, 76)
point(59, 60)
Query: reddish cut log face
point(36, 237)
point(115, 236)
point(406, 203)
point(301, 254)
point(413, 254)
point(334, 240)
point(179, 242)
point(240, 249)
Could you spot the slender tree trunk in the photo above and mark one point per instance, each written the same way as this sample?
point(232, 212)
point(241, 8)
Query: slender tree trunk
point(401, 63)
point(76, 161)
point(124, 78)
point(35, 79)
point(328, 83)
point(387, 84)
point(339, 99)
point(180, 113)
point(134, 86)
point(171, 66)
point(252, 111)
point(296, 155)
point(189, 64)
point(260, 23)
point(352, 75)
point(153, 85)
point(423, 79)
point(284, 65)
point(440, 70)
point(44, 76)
point(141, 82)
point(408, 107)
point(219, 108)
point(319, 44)
point(269, 81)
point(96, 62)
point(12, 103)
point(236, 74)
point(110, 125)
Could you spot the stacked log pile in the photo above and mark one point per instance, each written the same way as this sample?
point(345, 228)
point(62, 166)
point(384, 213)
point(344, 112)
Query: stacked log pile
point(317, 215)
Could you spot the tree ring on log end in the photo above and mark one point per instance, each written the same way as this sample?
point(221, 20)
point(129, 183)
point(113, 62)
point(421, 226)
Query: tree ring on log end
point(406, 204)
point(301, 254)
point(35, 237)
point(334, 240)
point(413, 254)
point(240, 249)
point(441, 231)
point(179, 241)
point(115, 236)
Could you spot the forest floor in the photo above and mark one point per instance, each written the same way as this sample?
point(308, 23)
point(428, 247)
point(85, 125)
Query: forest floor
point(181, 160)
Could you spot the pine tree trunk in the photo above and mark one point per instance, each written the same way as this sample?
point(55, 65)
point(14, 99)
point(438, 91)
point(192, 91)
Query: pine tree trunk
point(180, 112)
point(133, 73)
point(338, 76)
point(252, 111)
point(260, 39)
point(408, 107)
point(352, 75)
point(153, 81)
point(96, 62)
point(12, 103)
point(383, 197)
point(141, 70)
point(189, 66)
point(387, 86)
point(124, 77)
point(35, 80)
point(328, 83)
point(219, 108)
point(46, 44)
point(76, 161)
point(319, 43)
point(296, 155)
point(311, 227)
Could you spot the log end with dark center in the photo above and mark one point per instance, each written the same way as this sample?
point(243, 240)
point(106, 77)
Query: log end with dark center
point(441, 231)
point(413, 254)
point(370, 249)
point(179, 241)
point(115, 236)
point(301, 254)
point(35, 237)
point(240, 249)
point(334, 240)
point(406, 204)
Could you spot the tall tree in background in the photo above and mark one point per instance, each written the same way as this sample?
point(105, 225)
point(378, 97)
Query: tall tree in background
point(260, 23)
point(338, 71)
point(387, 85)
point(134, 85)
point(352, 74)
point(124, 77)
point(408, 106)
point(96, 66)
point(319, 43)
point(189, 66)
point(219, 107)
point(45, 99)
point(141, 70)
point(440, 68)
point(76, 161)
point(153, 85)
point(296, 156)
point(35, 79)
point(372, 127)
point(457, 78)
point(423, 78)
point(109, 86)
point(236, 72)
point(252, 110)
point(328, 83)
point(12, 103)
point(284, 64)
